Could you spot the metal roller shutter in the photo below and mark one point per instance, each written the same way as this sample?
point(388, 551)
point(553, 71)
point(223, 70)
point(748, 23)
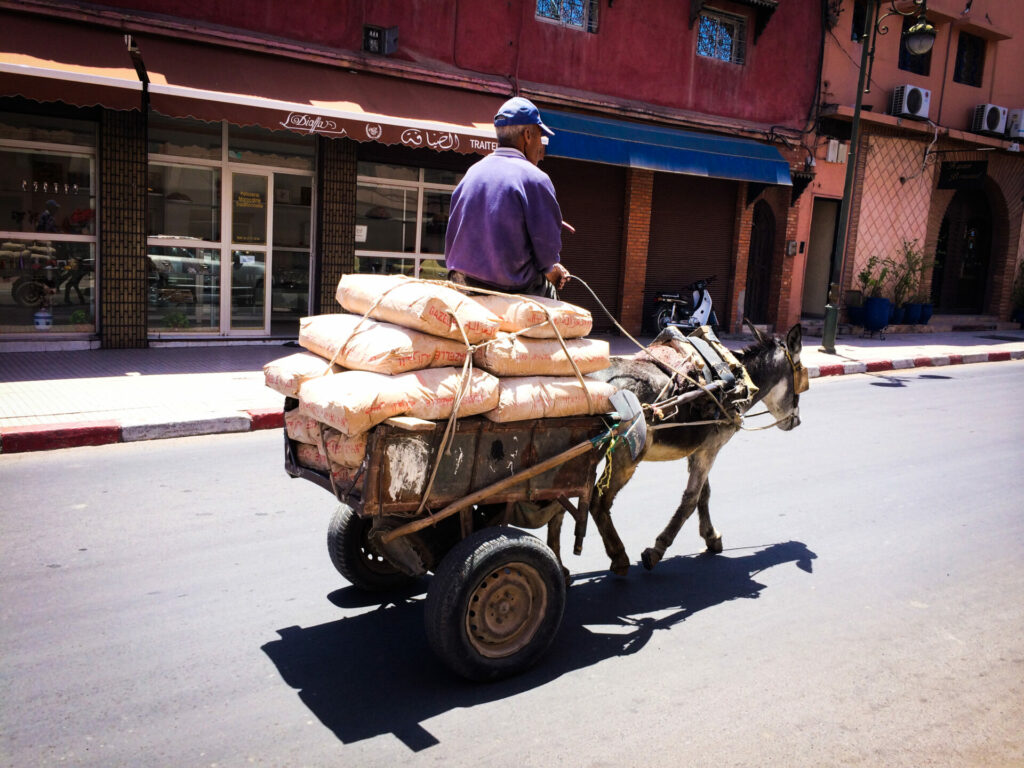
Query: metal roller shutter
point(692, 222)
point(591, 197)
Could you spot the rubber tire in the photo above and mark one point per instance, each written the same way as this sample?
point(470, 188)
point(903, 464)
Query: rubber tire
point(462, 572)
point(661, 319)
point(27, 292)
point(353, 557)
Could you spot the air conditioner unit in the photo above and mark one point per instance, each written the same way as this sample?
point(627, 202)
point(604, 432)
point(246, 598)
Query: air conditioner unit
point(1015, 124)
point(989, 118)
point(910, 101)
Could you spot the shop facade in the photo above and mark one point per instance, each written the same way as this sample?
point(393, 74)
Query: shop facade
point(177, 193)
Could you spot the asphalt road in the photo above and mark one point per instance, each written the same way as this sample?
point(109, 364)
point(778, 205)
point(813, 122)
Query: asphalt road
point(172, 604)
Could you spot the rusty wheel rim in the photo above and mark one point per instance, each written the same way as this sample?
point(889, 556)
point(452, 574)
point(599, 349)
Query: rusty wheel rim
point(506, 610)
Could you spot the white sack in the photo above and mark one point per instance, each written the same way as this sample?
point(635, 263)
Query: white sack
point(311, 457)
point(286, 374)
point(354, 401)
point(417, 304)
point(301, 427)
point(517, 356)
point(545, 397)
point(344, 450)
point(375, 346)
point(341, 449)
point(437, 388)
point(517, 313)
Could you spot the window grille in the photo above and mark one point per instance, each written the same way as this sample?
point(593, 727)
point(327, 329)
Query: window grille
point(722, 36)
point(579, 14)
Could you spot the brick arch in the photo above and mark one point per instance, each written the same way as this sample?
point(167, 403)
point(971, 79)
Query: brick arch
point(1002, 259)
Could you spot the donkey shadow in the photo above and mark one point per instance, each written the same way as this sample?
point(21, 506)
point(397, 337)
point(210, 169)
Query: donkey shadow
point(374, 674)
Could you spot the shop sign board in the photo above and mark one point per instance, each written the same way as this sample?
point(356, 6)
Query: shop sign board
point(963, 174)
point(415, 138)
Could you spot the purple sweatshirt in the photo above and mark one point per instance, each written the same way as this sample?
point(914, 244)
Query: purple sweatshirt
point(505, 223)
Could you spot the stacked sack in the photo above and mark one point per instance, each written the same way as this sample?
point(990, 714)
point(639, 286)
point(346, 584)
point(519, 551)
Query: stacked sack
point(402, 352)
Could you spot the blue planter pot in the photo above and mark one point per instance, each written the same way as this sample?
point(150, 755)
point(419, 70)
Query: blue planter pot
point(926, 313)
point(896, 314)
point(855, 315)
point(912, 313)
point(876, 313)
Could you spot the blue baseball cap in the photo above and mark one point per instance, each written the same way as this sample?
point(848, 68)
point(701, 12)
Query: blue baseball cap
point(520, 111)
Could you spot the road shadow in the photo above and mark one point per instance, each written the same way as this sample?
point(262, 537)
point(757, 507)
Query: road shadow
point(889, 380)
point(373, 674)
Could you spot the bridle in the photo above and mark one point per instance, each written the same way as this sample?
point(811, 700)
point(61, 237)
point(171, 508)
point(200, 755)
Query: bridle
point(801, 379)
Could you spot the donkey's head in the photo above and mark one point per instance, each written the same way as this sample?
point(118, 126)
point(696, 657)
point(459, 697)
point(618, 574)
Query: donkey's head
point(774, 366)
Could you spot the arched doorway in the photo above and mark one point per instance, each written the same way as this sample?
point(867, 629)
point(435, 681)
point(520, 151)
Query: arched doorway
point(962, 255)
point(759, 263)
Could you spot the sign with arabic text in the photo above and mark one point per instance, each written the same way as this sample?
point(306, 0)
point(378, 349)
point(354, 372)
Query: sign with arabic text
point(415, 138)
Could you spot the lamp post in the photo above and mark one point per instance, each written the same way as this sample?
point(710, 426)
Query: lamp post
point(920, 38)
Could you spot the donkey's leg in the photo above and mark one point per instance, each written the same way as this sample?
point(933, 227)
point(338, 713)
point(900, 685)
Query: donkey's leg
point(700, 466)
point(707, 531)
point(623, 468)
point(555, 543)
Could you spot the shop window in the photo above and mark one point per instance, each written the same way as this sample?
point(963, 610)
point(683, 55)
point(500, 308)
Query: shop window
point(722, 36)
point(16, 126)
point(402, 217)
point(184, 288)
point(282, 149)
point(577, 14)
point(970, 60)
point(289, 296)
point(47, 225)
point(184, 138)
point(184, 202)
point(230, 221)
point(919, 64)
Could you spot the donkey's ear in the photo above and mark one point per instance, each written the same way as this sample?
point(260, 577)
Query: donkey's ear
point(757, 334)
point(794, 338)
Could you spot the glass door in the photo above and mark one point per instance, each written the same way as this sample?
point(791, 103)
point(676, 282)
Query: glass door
point(245, 287)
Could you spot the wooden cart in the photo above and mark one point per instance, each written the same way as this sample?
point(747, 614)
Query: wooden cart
point(495, 601)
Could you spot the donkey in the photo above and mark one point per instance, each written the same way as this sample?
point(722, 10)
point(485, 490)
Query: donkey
point(773, 365)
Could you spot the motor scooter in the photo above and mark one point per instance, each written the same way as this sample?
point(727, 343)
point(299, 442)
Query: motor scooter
point(686, 310)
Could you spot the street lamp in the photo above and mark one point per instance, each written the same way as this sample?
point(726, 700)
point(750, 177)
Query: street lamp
point(920, 38)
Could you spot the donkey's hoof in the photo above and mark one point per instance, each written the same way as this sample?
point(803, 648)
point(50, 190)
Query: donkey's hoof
point(650, 558)
point(620, 565)
point(715, 545)
point(567, 576)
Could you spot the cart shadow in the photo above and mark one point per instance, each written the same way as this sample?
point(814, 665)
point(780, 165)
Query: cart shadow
point(373, 674)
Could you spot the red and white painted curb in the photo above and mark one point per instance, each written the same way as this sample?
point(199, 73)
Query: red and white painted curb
point(48, 437)
point(878, 366)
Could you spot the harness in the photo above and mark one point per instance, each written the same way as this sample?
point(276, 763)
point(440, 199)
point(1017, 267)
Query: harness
point(801, 379)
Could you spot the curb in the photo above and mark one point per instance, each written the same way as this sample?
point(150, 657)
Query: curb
point(878, 366)
point(49, 437)
point(46, 437)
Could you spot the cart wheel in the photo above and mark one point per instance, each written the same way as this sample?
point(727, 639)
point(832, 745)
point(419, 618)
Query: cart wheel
point(28, 292)
point(355, 559)
point(495, 603)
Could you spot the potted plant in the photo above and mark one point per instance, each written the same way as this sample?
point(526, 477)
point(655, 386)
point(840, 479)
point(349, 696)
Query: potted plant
point(876, 307)
point(913, 310)
point(908, 270)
